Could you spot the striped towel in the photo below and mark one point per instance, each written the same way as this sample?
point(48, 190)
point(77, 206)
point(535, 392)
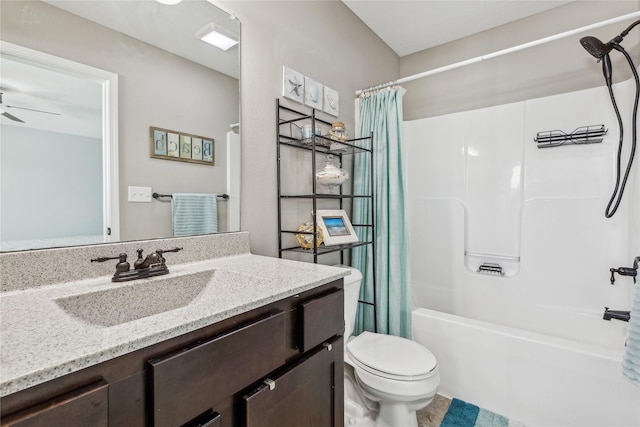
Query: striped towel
point(631, 359)
point(194, 214)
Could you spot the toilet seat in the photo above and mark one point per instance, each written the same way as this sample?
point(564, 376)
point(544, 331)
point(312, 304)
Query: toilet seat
point(391, 357)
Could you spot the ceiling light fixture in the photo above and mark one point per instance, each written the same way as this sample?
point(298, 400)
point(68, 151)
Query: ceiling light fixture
point(217, 36)
point(169, 2)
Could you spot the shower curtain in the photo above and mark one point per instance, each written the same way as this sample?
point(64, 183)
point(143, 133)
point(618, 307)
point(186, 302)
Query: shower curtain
point(380, 112)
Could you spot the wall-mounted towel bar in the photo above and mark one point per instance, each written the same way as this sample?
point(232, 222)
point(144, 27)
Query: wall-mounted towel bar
point(157, 196)
point(582, 135)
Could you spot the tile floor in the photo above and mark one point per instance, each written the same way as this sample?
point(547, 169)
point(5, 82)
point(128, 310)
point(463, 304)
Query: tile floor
point(432, 415)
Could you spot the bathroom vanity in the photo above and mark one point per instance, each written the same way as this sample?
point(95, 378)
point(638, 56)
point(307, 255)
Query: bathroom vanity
point(258, 344)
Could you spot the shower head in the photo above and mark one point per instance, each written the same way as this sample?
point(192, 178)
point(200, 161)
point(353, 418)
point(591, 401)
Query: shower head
point(595, 47)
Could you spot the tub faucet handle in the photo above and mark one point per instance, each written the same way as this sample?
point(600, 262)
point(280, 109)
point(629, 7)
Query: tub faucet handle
point(624, 271)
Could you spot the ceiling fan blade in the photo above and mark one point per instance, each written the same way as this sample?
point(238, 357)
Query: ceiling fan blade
point(31, 109)
point(11, 116)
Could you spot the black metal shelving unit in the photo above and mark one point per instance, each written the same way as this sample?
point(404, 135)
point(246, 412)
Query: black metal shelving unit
point(288, 118)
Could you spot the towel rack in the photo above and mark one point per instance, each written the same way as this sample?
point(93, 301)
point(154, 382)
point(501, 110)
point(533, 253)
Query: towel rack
point(157, 196)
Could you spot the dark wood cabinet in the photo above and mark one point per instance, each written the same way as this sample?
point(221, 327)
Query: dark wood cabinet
point(192, 380)
point(210, 377)
point(85, 406)
point(306, 393)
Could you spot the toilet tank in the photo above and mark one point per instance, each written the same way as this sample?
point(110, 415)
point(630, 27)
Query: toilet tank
point(351, 296)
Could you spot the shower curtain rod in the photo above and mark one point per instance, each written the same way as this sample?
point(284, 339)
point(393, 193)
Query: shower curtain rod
point(500, 52)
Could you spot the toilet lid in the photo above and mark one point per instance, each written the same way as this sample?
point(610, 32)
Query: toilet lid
point(391, 356)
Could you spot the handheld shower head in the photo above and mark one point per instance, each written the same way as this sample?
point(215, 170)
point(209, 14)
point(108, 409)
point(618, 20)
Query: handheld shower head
point(600, 51)
point(595, 47)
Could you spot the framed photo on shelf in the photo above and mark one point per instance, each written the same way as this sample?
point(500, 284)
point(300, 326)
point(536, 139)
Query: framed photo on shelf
point(336, 227)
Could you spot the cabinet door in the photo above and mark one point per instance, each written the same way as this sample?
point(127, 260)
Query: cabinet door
point(308, 393)
point(191, 381)
point(86, 406)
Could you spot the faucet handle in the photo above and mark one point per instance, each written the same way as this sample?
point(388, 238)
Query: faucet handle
point(122, 265)
point(140, 260)
point(122, 257)
point(170, 250)
point(161, 258)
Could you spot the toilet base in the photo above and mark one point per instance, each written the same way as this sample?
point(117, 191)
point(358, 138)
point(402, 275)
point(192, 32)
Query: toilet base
point(391, 415)
point(356, 412)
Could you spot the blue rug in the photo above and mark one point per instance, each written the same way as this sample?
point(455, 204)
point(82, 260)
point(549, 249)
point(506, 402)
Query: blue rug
point(463, 414)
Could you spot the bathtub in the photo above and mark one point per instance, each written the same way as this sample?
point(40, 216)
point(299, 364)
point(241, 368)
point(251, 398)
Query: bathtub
point(537, 379)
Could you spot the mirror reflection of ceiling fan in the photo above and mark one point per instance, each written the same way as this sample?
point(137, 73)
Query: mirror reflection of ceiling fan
point(14, 118)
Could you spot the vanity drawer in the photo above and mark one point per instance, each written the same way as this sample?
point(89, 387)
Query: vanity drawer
point(320, 318)
point(189, 382)
point(85, 406)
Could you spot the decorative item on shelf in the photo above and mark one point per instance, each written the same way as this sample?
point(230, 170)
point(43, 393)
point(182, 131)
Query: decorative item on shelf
point(338, 132)
point(306, 240)
point(336, 227)
point(307, 136)
point(331, 174)
point(306, 132)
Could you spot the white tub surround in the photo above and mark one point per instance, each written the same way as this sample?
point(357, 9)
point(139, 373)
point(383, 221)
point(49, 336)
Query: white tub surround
point(536, 333)
point(41, 341)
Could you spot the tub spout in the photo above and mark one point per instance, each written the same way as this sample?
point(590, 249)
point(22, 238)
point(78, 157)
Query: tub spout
point(616, 314)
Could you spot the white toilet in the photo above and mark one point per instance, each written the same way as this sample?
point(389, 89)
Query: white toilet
point(387, 378)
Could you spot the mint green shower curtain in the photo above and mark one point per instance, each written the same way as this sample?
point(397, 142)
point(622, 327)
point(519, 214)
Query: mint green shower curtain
point(381, 113)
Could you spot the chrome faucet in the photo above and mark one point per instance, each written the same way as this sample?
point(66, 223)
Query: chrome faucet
point(153, 265)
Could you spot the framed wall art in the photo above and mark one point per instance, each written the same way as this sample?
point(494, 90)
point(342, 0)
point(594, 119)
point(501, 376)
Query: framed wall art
point(331, 103)
point(292, 84)
point(312, 93)
point(336, 227)
point(183, 147)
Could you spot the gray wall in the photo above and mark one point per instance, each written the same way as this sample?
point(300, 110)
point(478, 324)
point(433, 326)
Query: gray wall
point(557, 67)
point(155, 89)
point(320, 39)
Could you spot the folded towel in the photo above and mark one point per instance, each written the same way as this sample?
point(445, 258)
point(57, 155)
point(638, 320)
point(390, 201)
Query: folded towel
point(194, 214)
point(631, 359)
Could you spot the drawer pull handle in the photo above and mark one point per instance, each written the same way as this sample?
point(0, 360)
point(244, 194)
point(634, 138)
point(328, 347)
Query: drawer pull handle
point(271, 383)
point(327, 345)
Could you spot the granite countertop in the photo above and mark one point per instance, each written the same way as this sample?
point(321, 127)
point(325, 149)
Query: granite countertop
point(41, 341)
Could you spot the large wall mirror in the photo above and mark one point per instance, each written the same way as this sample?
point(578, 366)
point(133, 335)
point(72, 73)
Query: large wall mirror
point(56, 171)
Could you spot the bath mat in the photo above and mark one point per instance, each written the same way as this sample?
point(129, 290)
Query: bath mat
point(444, 412)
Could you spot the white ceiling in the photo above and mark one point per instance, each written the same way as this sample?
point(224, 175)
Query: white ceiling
point(65, 103)
point(412, 26)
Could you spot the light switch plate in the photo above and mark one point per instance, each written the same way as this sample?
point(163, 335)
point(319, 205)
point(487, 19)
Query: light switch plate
point(140, 194)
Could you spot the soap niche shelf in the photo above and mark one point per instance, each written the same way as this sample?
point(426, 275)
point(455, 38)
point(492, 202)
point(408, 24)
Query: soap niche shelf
point(492, 265)
point(582, 135)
